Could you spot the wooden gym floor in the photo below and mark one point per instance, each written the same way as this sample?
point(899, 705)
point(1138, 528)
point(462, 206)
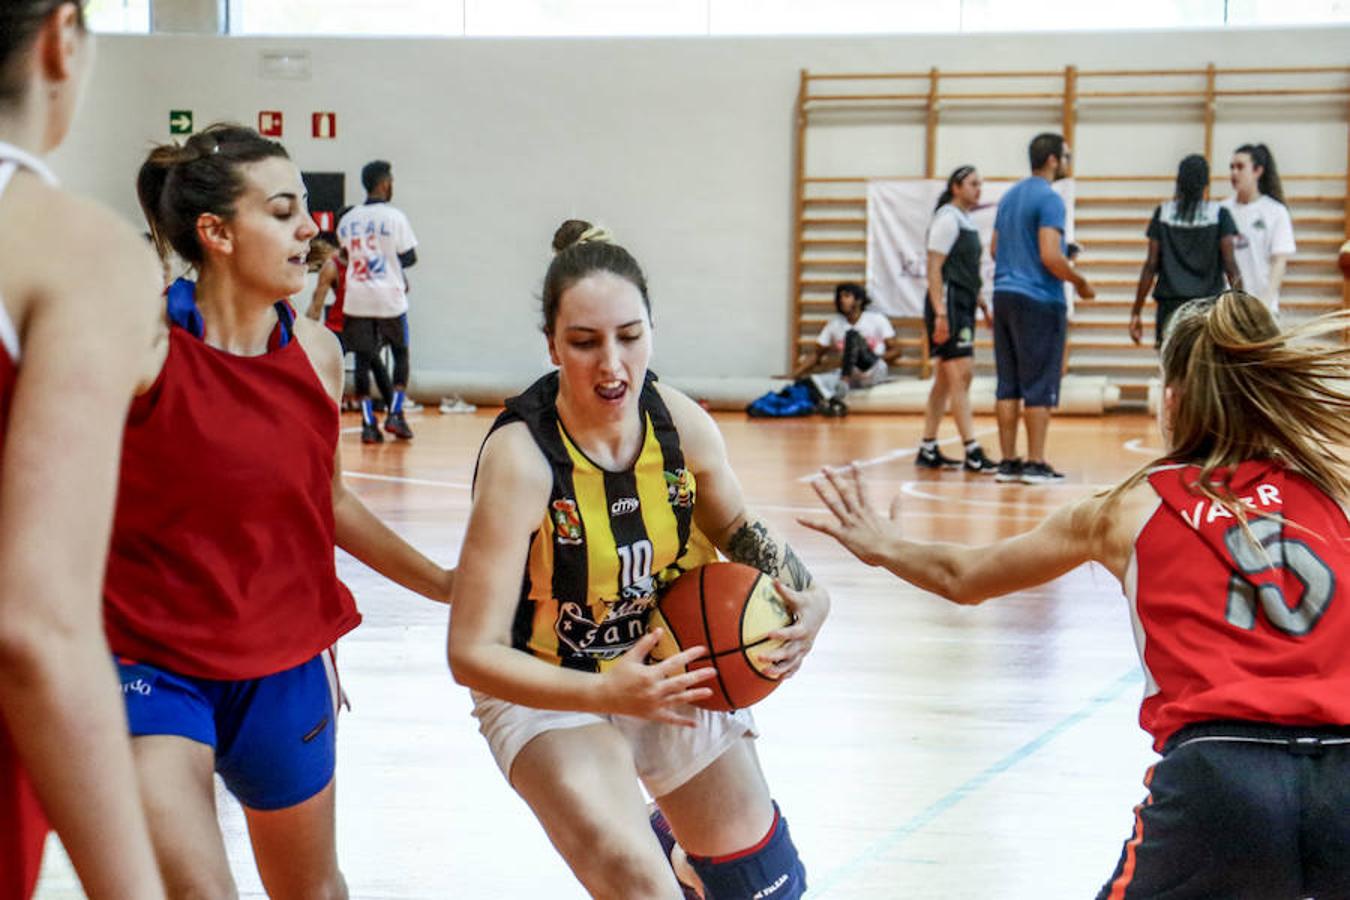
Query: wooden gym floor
point(925, 750)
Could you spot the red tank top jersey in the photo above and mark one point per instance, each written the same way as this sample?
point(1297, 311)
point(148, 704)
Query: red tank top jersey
point(1227, 631)
point(23, 827)
point(222, 559)
point(333, 316)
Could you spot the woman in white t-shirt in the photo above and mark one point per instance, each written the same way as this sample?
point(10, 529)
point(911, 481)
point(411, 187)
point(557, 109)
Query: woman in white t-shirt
point(864, 340)
point(1265, 231)
point(949, 316)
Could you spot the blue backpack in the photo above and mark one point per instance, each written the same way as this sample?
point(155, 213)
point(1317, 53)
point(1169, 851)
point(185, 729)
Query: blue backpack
point(797, 399)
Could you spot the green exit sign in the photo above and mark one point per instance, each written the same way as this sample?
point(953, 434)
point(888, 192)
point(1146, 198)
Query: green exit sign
point(180, 121)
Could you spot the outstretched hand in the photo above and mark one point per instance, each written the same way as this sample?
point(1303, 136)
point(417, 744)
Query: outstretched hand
point(657, 690)
point(862, 529)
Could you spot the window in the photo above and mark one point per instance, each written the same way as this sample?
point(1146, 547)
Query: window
point(355, 18)
point(548, 18)
point(125, 16)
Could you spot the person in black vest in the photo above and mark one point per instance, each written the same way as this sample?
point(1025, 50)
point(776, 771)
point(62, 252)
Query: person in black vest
point(949, 317)
point(1190, 250)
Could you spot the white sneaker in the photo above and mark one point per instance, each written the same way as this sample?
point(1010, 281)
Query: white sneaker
point(411, 405)
point(456, 405)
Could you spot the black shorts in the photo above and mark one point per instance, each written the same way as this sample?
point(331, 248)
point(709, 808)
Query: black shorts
point(1166, 309)
point(960, 341)
point(1242, 811)
point(364, 335)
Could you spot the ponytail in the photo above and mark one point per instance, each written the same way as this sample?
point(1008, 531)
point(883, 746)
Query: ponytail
point(1269, 182)
point(178, 184)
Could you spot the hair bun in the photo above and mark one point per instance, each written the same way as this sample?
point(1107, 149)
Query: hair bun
point(579, 231)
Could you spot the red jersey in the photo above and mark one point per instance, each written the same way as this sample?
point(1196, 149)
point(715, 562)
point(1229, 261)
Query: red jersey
point(333, 316)
point(222, 562)
point(1227, 631)
point(23, 826)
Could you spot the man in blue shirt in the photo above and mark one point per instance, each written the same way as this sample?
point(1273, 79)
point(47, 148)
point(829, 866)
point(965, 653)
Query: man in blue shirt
point(1030, 311)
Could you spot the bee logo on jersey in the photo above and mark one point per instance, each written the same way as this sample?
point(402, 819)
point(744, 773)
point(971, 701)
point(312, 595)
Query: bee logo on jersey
point(680, 484)
point(566, 521)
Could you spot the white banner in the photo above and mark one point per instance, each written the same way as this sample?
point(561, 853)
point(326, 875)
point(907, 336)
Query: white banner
point(898, 215)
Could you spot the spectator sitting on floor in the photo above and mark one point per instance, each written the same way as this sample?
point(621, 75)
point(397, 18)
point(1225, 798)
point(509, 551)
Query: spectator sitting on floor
point(864, 340)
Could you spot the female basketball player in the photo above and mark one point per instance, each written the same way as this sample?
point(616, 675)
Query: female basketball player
point(71, 337)
point(1190, 250)
point(223, 599)
point(1234, 551)
point(949, 317)
point(1265, 230)
point(598, 485)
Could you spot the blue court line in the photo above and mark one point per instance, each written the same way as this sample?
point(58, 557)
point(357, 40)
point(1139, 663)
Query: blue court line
point(922, 819)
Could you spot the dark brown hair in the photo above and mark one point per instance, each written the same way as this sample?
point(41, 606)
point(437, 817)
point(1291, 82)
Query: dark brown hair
point(579, 249)
point(1268, 182)
point(20, 21)
point(177, 184)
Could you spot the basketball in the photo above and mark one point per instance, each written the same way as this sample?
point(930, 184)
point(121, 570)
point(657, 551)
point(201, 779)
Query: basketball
point(1344, 260)
point(728, 608)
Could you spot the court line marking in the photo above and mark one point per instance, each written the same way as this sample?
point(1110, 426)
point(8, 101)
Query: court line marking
point(926, 816)
point(402, 479)
point(1136, 445)
point(897, 454)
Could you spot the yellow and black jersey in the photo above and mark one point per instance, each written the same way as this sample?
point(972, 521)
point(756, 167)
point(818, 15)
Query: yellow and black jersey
point(608, 542)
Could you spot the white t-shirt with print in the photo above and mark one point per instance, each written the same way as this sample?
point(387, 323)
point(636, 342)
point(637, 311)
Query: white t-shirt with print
point(1264, 230)
point(874, 328)
point(374, 235)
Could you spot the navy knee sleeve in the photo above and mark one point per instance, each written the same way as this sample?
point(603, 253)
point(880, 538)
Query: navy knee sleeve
point(771, 870)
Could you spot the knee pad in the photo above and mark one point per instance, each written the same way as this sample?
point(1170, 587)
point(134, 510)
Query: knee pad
point(770, 870)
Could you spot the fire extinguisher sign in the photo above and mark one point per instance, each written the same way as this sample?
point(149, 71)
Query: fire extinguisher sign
point(324, 124)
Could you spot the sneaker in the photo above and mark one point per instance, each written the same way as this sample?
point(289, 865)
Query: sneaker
point(661, 828)
point(395, 424)
point(834, 409)
point(932, 458)
point(411, 405)
point(370, 433)
point(456, 404)
point(1009, 471)
point(1040, 473)
point(980, 464)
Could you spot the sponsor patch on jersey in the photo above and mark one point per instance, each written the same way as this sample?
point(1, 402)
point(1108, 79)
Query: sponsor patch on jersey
point(622, 626)
point(623, 506)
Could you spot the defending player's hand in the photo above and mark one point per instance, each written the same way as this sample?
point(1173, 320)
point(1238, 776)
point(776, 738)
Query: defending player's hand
point(1136, 328)
point(861, 528)
point(655, 690)
point(809, 609)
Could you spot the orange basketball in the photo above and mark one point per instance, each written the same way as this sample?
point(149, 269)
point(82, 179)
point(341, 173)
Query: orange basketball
point(730, 609)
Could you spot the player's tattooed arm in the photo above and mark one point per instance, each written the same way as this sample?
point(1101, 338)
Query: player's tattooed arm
point(753, 545)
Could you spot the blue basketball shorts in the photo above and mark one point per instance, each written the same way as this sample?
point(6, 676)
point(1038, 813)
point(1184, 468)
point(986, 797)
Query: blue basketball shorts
point(275, 737)
point(1028, 348)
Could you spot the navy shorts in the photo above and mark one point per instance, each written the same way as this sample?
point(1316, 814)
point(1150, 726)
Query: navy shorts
point(275, 737)
point(1028, 348)
point(1242, 811)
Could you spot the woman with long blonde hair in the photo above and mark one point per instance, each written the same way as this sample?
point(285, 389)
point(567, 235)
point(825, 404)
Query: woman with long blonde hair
point(1234, 552)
